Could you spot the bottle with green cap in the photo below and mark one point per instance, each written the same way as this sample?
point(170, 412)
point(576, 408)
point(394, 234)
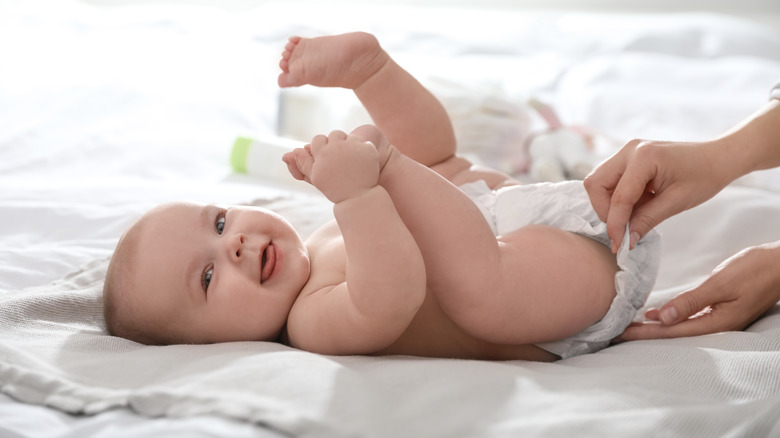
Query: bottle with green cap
point(262, 156)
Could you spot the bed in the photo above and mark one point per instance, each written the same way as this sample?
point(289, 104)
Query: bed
point(107, 111)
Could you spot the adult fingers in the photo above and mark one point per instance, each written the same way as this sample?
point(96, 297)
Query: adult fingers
point(691, 302)
point(656, 208)
point(628, 193)
point(695, 312)
point(652, 314)
point(601, 182)
point(704, 323)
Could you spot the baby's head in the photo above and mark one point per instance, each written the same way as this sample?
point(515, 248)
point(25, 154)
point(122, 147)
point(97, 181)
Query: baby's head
point(191, 273)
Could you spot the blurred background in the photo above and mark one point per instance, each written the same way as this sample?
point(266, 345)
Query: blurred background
point(763, 11)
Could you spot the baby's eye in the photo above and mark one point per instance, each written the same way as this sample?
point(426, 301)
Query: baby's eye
point(206, 279)
point(219, 225)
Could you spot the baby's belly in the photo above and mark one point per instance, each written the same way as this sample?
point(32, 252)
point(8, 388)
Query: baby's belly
point(433, 334)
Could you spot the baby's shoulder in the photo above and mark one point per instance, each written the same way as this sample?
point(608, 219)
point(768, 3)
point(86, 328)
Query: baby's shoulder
point(324, 234)
point(327, 256)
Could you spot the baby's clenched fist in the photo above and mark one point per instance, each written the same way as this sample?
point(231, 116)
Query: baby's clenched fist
point(340, 166)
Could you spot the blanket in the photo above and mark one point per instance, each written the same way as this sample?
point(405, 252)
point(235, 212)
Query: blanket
point(54, 350)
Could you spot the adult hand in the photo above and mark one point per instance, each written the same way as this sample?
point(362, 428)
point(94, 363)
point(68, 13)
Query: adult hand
point(646, 182)
point(737, 293)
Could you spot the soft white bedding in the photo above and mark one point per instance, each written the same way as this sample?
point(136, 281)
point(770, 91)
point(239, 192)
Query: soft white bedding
point(106, 112)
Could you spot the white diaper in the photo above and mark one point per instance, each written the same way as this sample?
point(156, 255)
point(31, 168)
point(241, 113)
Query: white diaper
point(566, 206)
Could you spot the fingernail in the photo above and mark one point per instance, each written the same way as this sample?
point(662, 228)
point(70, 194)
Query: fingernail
point(634, 239)
point(668, 315)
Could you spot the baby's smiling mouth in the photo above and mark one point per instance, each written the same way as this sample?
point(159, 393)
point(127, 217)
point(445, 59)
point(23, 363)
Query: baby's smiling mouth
point(267, 262)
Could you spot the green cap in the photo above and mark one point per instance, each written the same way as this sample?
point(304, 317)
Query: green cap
point(240, 153)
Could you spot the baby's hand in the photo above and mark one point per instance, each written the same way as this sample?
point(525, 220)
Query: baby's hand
point(341, 166)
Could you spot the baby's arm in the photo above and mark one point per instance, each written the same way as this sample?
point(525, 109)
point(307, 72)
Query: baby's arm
point(455, 240)
point(385, 275)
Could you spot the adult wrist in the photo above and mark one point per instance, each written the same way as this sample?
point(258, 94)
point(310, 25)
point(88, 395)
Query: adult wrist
point(753, 144)
point(731, 159)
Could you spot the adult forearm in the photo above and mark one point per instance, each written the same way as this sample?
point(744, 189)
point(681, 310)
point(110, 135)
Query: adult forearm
point(752, 145)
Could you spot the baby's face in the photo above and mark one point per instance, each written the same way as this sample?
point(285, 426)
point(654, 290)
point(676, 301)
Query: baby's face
point(217, 274)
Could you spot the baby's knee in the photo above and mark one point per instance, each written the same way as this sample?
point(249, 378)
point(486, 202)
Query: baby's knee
point(369, 133)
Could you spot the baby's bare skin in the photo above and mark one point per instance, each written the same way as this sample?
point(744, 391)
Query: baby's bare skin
point(410, 266)
point(484, 296)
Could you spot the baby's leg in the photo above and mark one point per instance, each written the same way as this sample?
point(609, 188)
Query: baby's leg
point(410, 116)
point(535, 284)
point(345, 61)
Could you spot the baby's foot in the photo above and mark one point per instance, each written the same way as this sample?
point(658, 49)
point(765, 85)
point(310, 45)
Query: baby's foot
point(345, 61)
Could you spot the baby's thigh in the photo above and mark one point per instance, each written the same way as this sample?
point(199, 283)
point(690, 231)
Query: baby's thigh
point(551, 284)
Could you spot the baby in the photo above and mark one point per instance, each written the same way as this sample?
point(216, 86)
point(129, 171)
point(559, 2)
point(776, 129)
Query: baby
point(429, 254)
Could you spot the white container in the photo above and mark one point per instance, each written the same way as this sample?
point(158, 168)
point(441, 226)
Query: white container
point(263, 157)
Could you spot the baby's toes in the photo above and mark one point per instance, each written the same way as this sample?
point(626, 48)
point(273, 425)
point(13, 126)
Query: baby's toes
point(289, 48)
point(288, 78)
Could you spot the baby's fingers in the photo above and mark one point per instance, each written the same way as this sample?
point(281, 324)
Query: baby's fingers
point(292, 166)
point(299, 163)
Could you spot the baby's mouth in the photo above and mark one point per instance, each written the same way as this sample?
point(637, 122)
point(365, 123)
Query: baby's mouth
point(267, 262)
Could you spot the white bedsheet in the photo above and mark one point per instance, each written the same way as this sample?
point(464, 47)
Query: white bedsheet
point(106, 112)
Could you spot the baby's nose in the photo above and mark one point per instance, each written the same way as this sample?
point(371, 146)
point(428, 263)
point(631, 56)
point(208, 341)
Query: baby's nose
point(235, 246)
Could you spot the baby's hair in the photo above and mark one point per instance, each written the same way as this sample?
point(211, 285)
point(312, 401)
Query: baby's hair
point(122, 319)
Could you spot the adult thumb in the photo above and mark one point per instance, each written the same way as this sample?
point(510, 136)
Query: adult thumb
point(686, 305)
